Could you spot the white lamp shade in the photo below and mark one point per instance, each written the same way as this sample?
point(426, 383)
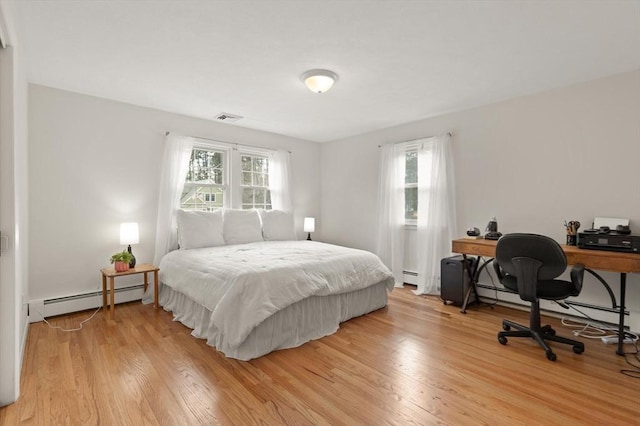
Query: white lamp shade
point(319, 81)
point(309, 224)
point(129, 233)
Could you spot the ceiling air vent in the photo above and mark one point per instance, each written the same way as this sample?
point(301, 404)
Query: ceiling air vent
point(227, 118)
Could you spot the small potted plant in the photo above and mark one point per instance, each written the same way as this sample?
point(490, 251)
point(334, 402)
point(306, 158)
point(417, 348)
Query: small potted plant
point(121, 261)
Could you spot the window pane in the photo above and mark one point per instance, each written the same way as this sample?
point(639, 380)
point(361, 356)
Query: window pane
point(205, 198)
point(259, 179)
point(247, 196)
point(205, 167)
point(255, 180)
point(411, 172)
point(259, 164)
point(258, 196)
point(411, 203)
point(246, 178)
point(217, 160)
point(246, 163)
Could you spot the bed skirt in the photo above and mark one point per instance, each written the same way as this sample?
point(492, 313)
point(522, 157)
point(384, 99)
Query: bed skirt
point(308, 319)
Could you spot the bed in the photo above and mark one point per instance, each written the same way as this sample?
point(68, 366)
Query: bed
point(250, 296)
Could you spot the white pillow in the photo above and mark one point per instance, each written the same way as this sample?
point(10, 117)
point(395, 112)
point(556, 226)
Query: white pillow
point(241, 226)
point(277, 225)
point(198, 229)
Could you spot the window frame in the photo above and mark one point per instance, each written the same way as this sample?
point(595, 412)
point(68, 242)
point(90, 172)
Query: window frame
point(231, 187)
point(224, 187)
point(410, 223)
point(242, 187)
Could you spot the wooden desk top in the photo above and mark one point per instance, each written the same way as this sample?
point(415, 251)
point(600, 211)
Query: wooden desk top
point(592, 259)
point(144, 267)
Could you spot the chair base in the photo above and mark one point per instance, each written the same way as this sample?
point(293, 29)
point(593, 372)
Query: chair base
point(540, 335)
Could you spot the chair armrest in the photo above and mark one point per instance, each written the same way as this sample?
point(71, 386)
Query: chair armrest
point(527, 275)
point(577, 275)
point(498, 269)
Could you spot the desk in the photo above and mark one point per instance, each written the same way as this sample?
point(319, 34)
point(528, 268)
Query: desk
point(611, 261)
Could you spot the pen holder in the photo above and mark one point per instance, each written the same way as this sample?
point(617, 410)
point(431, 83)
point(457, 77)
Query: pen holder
point(572, 239)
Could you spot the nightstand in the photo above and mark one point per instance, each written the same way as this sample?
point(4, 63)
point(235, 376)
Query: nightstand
point(111, 273)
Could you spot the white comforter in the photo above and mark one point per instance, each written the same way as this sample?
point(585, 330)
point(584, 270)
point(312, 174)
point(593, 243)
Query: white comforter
point(244, 284)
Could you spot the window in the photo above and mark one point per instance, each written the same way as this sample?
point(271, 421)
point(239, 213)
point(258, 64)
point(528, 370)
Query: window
point(411, 186)
point(255, 182)
point(211, 182)
point(206, 180)
point(411, 181)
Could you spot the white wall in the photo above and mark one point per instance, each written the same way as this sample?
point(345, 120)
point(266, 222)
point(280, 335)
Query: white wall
point(534, 162)
point(13, 209)
point(94, 163)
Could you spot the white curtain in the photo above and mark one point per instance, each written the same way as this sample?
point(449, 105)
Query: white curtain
point(280, 180)
point(390, 242)
point(436, 209)
point(173, 171)
point(175, 162)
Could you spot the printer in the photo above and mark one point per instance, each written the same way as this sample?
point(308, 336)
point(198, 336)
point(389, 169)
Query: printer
point(611, 240)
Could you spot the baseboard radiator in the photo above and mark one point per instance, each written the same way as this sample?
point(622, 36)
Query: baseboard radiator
point(44, 308)
point(410, 277)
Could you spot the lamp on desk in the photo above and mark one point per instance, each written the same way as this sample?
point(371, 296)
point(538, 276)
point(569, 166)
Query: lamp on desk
point(309, 226)
point(129, 235)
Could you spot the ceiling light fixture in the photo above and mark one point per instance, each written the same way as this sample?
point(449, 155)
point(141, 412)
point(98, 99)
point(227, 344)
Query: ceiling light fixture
point(319, 81)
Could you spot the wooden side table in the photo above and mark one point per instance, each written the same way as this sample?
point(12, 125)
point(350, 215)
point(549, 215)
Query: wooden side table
point(111, 273)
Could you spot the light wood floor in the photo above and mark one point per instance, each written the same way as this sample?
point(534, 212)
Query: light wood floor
point(413, 362)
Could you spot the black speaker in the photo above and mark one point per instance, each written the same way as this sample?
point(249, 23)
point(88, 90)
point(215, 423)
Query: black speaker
point(454, 279)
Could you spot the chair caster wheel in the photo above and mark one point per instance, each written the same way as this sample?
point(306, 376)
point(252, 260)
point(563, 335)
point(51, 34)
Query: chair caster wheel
point(506, 327)
point(551, 356)
point(578, 349)
point(502, 340)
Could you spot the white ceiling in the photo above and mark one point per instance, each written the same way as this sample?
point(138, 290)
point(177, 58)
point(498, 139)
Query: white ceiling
point(397, 61)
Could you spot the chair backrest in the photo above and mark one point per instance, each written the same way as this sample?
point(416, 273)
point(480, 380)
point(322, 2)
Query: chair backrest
point(539, 247)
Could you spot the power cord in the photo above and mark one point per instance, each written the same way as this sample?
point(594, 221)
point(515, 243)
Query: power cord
point(56, 327)
point(593, 329)
point(635, 373)
point(485, 268)
point(493, 283)
point(590, 329)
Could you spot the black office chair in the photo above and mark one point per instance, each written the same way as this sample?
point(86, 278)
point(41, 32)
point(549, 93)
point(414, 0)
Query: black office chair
point(528, 265)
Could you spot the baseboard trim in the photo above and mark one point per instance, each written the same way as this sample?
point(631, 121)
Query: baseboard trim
point(23, 343)
point(44, 308)
point(547, 309)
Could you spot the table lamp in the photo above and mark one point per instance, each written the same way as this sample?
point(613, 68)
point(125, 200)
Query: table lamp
point(129, 235)
point(309, 226)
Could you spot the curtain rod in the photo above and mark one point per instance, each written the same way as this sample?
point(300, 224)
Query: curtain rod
point(167, 133)
point(413, 140)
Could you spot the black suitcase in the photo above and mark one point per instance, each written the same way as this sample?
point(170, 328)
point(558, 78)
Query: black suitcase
point(454, 279)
